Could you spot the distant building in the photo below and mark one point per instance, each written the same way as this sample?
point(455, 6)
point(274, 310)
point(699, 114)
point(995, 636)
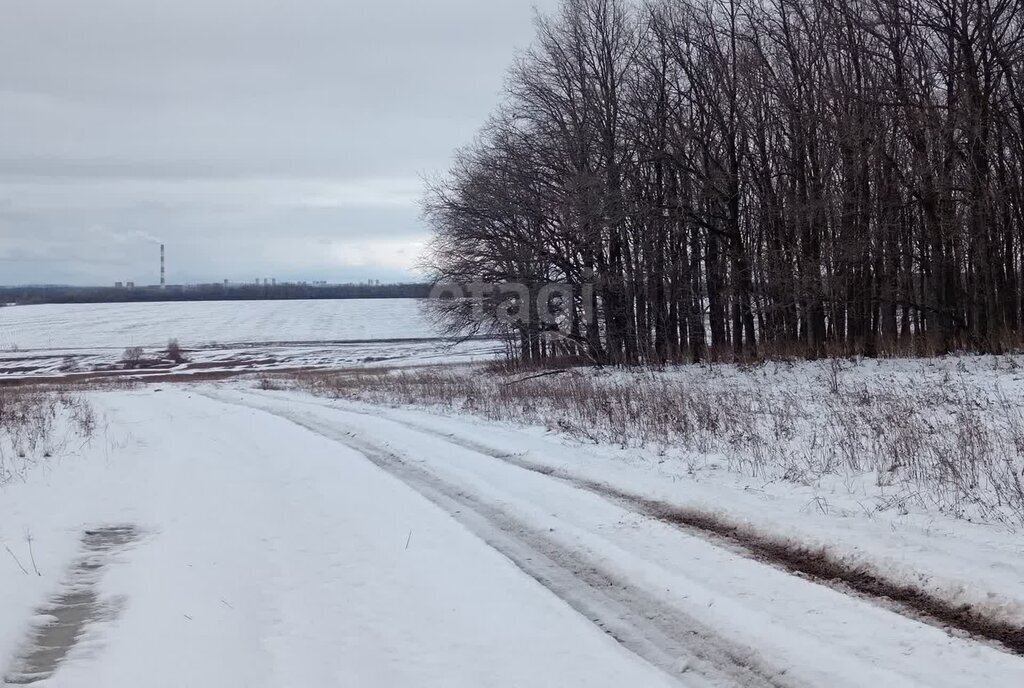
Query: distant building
point(118, 285)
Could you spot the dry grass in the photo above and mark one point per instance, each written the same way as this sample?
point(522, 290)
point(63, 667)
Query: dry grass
point(946, 443)
point(37, 423)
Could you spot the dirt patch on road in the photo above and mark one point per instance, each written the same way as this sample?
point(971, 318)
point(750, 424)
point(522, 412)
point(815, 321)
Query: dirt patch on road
point(820, 565)
point(815, 564)
point(67, 616)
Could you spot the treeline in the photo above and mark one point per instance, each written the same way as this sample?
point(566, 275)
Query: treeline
point(209, 292)
point(754, 177)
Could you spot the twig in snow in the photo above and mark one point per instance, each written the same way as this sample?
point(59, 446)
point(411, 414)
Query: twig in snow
point(15, 558)
point(408, 540)
point(532, 377)
point(31, 554)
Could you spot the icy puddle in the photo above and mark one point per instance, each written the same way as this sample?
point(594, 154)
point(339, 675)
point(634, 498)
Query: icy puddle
point(65, 618)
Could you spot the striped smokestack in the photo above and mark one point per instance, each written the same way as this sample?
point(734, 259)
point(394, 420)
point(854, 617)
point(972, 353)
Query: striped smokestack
point(162, 280)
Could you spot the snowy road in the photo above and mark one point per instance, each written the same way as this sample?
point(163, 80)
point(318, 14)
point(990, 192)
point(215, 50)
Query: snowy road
point(279, 540)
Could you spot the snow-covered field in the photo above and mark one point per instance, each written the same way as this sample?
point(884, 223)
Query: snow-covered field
point(59, 340)
point(202, 323)
point(220, 535)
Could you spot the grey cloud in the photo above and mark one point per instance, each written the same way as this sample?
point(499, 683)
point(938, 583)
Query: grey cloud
point(230, 127)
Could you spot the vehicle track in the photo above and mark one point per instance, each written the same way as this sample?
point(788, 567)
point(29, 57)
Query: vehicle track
point(816, 564)
point(74, 608)
point(642, 623)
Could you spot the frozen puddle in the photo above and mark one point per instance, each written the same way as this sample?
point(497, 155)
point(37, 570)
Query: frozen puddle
point(66, 617)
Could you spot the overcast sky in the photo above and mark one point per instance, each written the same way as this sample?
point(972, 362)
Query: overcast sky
point(256, 138)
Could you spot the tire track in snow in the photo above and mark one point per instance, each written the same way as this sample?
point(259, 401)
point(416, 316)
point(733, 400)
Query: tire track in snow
point(815, 564)
point(68, 615)
point(642, 623)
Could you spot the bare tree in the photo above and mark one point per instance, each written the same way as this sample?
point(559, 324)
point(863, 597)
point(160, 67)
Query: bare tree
point(742, 178)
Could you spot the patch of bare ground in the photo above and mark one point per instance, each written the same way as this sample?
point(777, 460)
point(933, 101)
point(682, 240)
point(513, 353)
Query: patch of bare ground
point(71, 382)
point(189, 372)
point(820, 565)
point(72, 610)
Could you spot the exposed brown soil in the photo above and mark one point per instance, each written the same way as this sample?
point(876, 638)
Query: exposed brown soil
point(225, 370)
point(213, 375)
point(816, 564)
